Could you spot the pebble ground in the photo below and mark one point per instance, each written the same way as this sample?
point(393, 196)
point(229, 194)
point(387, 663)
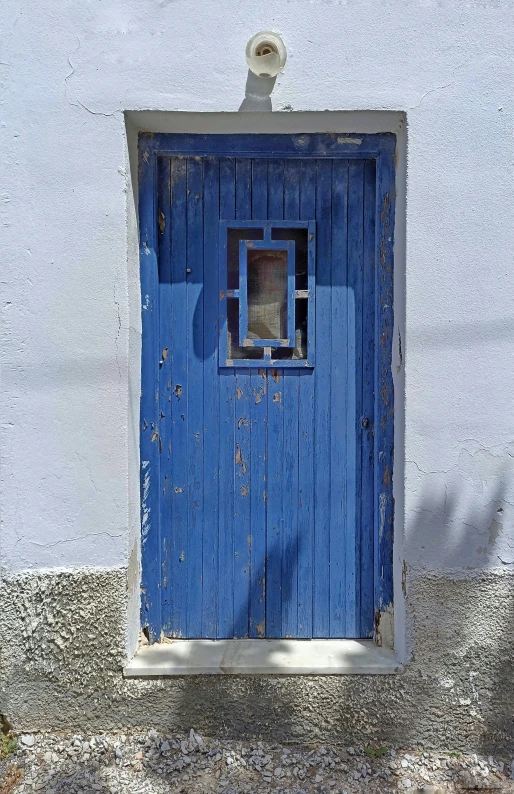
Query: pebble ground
point(152, 763)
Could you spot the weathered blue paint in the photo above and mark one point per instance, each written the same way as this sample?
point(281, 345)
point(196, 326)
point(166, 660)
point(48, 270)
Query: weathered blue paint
point(242, 448)
point(354, 392)
point(311, 289)
point(164, 397)
point(384, 394)
point(194, 393)
point(321, 146)
point(341, 378)
point(258, 462)
point(324, 477)
point(306, 440)
point(210, 551)
point(227, 459)
point(266, 490)
point(291, 419)
point(177, 530)
point(367, 549)
point(149, 446)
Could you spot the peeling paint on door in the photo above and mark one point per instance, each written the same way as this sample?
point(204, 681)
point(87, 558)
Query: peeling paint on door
point(280, 524)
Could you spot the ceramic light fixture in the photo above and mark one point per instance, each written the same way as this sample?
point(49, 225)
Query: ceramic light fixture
point(266, 54)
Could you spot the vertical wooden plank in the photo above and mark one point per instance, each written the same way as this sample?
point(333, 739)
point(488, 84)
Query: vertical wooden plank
point(384, 392)
point(291, 428)
point(368, 399)
point(227, 445)
point(258, 416)
point(222, 267)
point(311, 283)
point(211, 428)
point(150, 457)
point(306, 441)
point(275, 447)
point(194, 397)
point(291, 281)
point(179, 387)
point(242, 452)
point(164, 429)
point(338, 415)
point(354, 377)
point(323, 396)
point(243, 292)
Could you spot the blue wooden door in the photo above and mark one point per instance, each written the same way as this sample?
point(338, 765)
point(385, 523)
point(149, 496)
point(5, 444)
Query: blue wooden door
point(266, 442)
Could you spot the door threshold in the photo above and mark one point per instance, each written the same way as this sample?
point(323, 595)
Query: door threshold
point(261, 657)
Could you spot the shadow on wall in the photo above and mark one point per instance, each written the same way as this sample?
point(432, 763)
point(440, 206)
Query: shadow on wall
point(257, 93)
point(456, 693)
point(463, 626)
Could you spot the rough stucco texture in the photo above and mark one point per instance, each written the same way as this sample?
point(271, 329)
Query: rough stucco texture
point(62, 659)
point(68, 72)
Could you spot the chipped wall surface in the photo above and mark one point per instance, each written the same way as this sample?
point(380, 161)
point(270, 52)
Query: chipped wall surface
point(77, 80)
point(63, 655)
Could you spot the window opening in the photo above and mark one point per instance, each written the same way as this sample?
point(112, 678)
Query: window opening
point(267, 288)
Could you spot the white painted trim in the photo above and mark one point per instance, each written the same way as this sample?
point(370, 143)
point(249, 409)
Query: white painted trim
point(262, 657)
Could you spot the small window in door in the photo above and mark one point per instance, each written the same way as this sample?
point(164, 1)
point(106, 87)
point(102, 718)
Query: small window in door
point(267, 272)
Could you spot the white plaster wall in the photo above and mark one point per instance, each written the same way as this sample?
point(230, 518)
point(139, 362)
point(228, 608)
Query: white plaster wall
point(68, 409)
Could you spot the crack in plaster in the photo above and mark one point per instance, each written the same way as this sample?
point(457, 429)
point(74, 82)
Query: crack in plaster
point(77, 537)
point(437, 88)
point(78, 103)
point(503, 452)
point(118, 332)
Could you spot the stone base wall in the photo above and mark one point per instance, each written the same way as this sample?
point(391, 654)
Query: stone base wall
point(63, 652)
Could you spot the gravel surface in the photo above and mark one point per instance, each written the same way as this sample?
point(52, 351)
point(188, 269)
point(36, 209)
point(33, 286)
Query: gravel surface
point(151, 763)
